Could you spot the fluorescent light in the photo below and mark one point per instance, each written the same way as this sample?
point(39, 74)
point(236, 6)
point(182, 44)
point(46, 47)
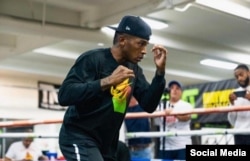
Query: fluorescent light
point(155, 24)
point(100, 44)
point(186, 74)
point(227, 6)
point(56, 52)
point(108, 31)
point(187, 6)
point(218, 64)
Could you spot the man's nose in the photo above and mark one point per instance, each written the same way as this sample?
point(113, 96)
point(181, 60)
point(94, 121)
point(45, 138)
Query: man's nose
point(144, 50)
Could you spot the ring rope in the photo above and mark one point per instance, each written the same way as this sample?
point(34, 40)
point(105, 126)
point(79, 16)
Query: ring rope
point(29, 135)
point(187, 133)
point(221, 109)
point(141, 134)
point(21, 123)
point(131, 115)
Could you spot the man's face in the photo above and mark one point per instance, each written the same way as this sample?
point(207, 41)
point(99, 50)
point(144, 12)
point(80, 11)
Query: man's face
point(134, 48)
point(27, 142)
point(242, 77)
point(175, 92)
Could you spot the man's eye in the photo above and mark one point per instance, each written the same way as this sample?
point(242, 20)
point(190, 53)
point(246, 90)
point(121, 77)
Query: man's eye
point(142, 44)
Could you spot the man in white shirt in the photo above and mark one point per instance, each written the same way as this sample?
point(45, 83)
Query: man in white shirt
point(24, 150)
point(241, 97)
point(174, 147)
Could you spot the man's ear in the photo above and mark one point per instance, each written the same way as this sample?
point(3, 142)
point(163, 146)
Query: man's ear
point(122, 40)
point(122, 43)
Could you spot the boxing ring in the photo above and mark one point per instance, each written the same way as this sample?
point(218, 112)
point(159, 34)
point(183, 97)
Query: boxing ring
point(152, 134)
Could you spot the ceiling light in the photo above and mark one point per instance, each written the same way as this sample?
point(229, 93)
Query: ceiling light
point(56, 52)
point(187, 6)
point(155, 24)
point(187, 74)
point(100, 44)
point(218, 64)
point(228, 6)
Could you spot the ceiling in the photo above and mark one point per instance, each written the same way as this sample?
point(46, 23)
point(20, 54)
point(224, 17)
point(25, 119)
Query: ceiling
point(195, 32)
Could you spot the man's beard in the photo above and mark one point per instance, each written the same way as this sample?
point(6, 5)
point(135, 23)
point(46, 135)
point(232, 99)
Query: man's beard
point(246, 82)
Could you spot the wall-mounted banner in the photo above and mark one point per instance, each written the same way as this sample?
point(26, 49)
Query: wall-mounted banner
point(210, 95)
point(48, 96)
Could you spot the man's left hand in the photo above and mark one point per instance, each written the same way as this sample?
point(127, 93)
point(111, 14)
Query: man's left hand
point(160, 57)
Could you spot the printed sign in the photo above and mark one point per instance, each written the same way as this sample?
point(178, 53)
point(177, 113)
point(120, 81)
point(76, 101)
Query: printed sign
point(48, 96)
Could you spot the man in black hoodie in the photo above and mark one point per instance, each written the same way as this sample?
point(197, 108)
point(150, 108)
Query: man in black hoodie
point(98, 88)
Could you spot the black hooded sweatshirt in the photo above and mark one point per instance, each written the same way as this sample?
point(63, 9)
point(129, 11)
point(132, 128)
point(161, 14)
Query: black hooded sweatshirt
point(91, 115)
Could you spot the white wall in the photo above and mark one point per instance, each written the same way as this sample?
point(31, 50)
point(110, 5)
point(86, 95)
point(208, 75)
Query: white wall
point(19, 100)
point(12, 95)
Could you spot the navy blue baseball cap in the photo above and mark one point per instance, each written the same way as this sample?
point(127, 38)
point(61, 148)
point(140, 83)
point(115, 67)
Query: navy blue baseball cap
point(133, 25)
point(174, 82)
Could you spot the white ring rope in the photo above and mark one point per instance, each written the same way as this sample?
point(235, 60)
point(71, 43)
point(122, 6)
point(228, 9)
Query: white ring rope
point(28, 135)
point(187, 133)
point(141, 134)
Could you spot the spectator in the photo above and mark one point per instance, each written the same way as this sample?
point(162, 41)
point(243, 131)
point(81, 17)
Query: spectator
point(139, 147)
point(24, 150)
point(43, 158)
point(239, 97)
point(174, 147)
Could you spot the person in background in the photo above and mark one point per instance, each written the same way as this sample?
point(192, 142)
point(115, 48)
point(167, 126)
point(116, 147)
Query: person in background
point(241, 97)
point(139, 147)
point(43, 158)
point(174, 147)
point(24, 150)
point(98, 87)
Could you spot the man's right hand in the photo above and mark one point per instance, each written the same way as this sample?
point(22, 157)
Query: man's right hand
point(120, 74)
point(232, 98)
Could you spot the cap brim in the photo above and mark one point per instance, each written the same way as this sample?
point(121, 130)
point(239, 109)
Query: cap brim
point(113, 28)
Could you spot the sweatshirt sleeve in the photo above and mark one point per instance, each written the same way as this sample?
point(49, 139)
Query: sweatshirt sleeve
point(80, 83)
point(149, 95)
